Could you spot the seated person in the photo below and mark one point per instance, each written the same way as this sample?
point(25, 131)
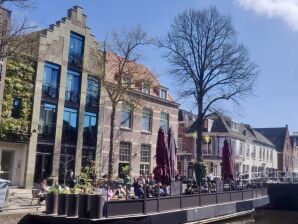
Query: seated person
point(188, 189)
point(42, 191)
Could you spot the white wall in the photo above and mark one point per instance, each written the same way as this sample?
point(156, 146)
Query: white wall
point(19, 158)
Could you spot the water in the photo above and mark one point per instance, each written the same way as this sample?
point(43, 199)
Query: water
point(266, 216)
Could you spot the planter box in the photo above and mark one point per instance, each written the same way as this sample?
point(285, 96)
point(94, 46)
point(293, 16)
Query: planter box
point(72, 205)
point(83, 211)
point(51, 203)
point(96, 204)
point(62, 204)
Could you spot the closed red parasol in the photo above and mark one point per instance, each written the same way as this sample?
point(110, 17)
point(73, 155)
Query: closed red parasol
point(227, 162)
point(160, 171)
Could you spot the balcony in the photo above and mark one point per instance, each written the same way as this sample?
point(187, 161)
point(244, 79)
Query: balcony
point(14, 137)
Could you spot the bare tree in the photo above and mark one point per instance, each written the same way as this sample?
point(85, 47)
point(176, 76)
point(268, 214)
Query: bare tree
point(123, 50)
point(207, 59)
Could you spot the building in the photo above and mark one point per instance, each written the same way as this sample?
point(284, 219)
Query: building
point(281, 139)
point(69, 122)
point(294, 145)
point(252, 152)
point(186, 144)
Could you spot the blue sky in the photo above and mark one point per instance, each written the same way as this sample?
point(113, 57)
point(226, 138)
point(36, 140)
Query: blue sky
point(268, 28)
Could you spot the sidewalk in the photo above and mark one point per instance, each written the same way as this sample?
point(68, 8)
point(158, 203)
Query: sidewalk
point(18, 205)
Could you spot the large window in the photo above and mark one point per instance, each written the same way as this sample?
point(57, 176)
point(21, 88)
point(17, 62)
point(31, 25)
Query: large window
point(76, 46)
point(164, 121)
point(92, 91)
point(146, 120)
point(124, 152)
point(47, 118)
point(89, 129)
point(145, 159)
point(72, 86)
point(126, 116)
point(16, 107)
point(70, 125)
point(50, 80)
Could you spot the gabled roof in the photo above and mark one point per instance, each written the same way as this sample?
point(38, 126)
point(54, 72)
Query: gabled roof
point(222, 124)
point(187, 117)
point(140, 73)
point(276, 135)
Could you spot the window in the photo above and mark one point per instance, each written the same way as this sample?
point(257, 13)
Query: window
point(180, 144)
point(260, 153)
point(145, 159)
point(164, 121)
point(163, 94)
point(124, 152)
point(89, 137)
point(253, 153)
point(145, 153)
point(207, 147)
point(271, 155)
point(247, 150)
point(267, 154)
point(241, 150)
point(144, 169)
point(146, 120)
point(50, 80)
point(92, 91)
point(146, 87)
point(263, 154)
point(16, 107)
point(47, 119)
point(76, 46)
point(126, 116)
point(70, 125)
point(72, 86)
point(88, 156)
point(126, 80)
point(234, 126)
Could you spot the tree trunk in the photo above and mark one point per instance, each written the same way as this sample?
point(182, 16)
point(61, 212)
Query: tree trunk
point(111, 153)
point(200, 130)
point(199, 140)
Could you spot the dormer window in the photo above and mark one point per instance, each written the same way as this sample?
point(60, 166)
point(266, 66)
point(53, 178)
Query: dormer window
point(163, 93)
point(146, 87)
point(234, 126)
point(126, 80)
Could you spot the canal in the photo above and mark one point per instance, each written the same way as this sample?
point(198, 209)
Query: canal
point(266, 216)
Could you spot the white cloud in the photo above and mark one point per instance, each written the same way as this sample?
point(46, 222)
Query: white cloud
point(287, 10)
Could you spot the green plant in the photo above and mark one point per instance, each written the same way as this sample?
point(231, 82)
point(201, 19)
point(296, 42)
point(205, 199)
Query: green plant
point(200, 172)
point(20, 74)
point(53, 190)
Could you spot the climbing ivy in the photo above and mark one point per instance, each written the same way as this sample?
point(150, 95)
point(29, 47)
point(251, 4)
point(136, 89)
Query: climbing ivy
point(20, 75)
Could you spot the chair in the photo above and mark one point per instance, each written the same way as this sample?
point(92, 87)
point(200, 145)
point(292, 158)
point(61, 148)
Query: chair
point(35, 195)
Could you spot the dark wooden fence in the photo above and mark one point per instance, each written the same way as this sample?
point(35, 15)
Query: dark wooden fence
point(160, 204)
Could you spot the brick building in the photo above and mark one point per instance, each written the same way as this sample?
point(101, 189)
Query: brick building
point(280, 137)
point(70, 110)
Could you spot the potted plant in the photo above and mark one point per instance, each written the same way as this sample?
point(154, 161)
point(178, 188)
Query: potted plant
point(126, 174)
point(85, 184)
point(52, 200)
point(62, 201)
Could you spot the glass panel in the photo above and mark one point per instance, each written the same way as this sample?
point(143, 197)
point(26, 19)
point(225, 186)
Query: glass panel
point(69, 125)
point(6, 164)
point(90, 131)
point(145, 153)
point(75, 49)
point(124, 152)
point(146, 120)
point(92, 91)
point(72, 86)
point(50, 80)
point(164, 121)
